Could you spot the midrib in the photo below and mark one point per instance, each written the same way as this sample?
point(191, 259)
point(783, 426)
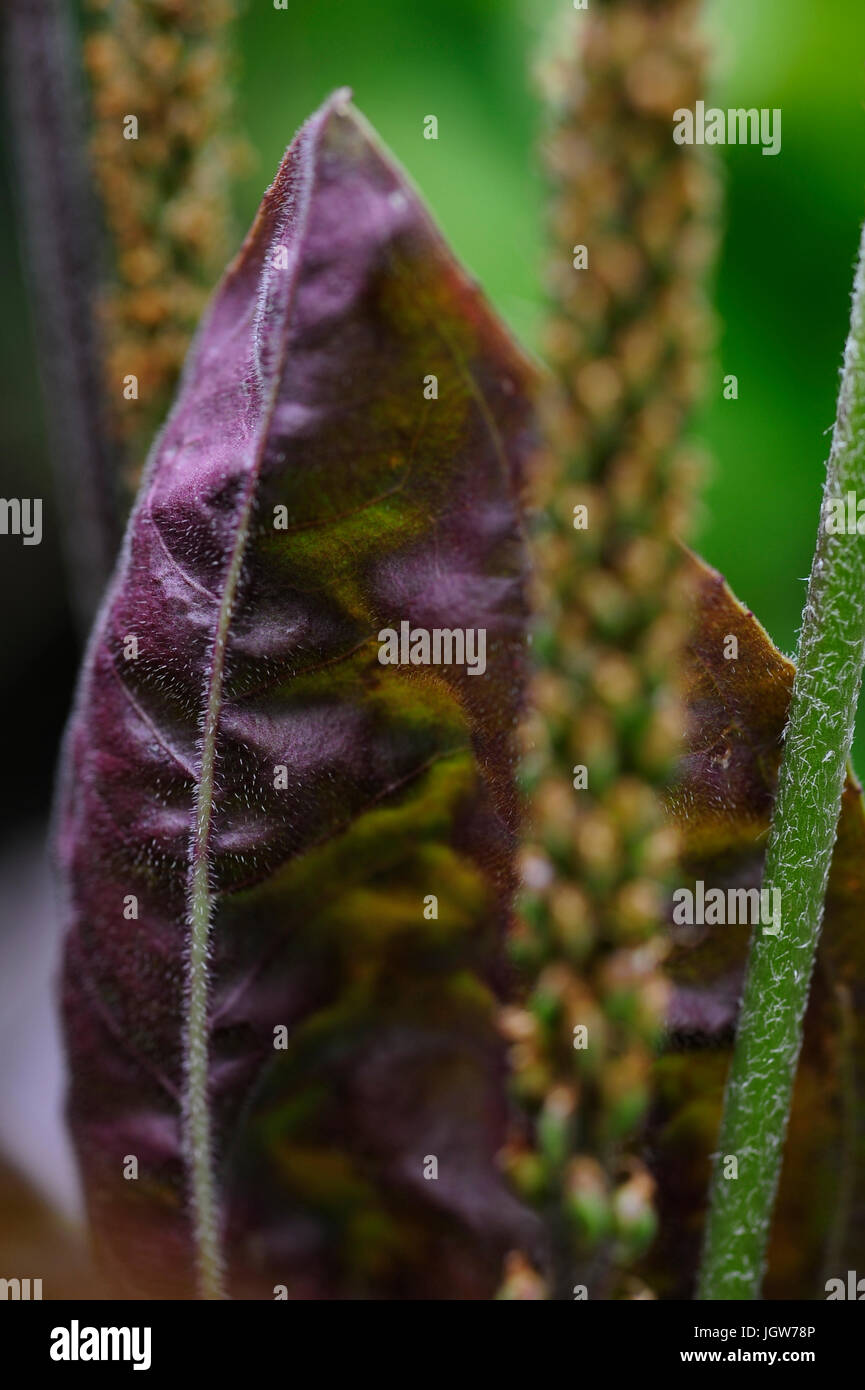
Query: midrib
point(197, 1135)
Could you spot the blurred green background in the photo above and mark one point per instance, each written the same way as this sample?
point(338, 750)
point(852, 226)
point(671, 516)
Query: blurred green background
point(783, 280)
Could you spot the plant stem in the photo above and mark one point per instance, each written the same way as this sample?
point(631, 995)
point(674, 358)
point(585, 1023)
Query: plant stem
point(60, 245)
point(804, 823)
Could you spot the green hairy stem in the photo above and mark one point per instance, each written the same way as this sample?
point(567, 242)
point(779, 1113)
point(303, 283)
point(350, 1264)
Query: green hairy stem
point(811, 779)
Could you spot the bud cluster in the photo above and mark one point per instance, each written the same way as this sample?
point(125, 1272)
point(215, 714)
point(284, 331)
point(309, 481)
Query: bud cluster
point(630, 236)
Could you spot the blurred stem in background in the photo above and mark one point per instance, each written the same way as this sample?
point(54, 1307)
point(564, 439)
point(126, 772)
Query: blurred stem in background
point(631, 242)
point(816, 748)
point(112, 337)
point(59, 243)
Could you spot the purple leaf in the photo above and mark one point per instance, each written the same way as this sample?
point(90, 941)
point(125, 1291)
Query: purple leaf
point(254, 810)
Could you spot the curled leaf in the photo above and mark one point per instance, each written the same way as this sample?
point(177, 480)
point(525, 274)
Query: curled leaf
point(288, 866)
